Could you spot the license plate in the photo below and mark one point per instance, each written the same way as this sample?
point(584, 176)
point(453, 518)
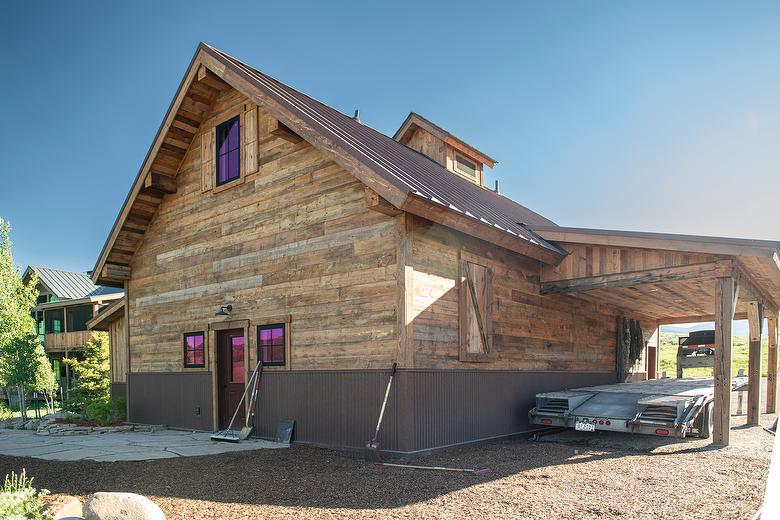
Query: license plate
point(585, 427)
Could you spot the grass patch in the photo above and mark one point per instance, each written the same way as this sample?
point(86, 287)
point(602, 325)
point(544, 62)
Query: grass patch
point(739, 356)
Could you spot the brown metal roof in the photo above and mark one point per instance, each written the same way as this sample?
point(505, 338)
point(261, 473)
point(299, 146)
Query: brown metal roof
point(405, 169)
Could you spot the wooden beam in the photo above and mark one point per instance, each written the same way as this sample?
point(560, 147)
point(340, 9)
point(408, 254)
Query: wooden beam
point(207, 77)
point(375, 202)
point(697, 318)
point(282, 131)
point(161, 182)
point(116, 272)
point(755, 320)
point(606, 281)
point(726, 292)
point(771, 369)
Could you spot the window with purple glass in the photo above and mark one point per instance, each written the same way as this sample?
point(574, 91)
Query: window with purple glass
point(228, 160)
point(271, 344)
point(194, 350)
point(237, 370)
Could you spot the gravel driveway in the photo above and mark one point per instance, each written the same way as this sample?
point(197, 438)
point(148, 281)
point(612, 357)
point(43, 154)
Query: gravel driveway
point(528, 480)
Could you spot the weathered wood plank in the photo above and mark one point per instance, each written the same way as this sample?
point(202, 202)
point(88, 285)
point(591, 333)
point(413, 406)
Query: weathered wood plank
point(725, 302)
point(755, 320)
point(631, 278)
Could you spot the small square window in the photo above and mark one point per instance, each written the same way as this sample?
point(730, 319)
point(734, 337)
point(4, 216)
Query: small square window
point(466, 167)
point(271, 343)
point(194, 350)
point(228, 151)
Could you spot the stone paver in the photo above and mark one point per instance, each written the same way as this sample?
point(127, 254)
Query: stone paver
point(109, 447)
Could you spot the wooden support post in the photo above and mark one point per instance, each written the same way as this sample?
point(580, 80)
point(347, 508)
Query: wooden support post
point(726, 291)
point(771, 369)
point(755, 319)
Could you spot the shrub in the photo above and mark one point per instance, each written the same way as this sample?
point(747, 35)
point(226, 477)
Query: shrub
point(5, 412)
point(108, 412)
point(20, 500)
point(92, 382)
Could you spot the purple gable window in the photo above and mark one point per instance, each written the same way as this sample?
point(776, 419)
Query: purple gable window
point(228, 160)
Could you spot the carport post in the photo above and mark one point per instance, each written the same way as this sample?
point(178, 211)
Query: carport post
point(755, 321)
point(726, 291)
point(771, 369)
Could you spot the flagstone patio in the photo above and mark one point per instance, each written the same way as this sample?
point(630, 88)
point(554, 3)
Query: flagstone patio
point(112, 447)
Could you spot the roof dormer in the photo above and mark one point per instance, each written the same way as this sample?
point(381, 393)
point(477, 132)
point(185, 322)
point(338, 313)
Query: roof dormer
point(436, 143)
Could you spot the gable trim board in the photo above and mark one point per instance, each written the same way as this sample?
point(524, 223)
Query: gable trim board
point(389, 169)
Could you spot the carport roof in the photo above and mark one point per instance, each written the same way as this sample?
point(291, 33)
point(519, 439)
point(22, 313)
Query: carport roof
point(680, 285)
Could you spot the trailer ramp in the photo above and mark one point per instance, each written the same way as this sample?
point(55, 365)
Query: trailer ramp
point(671, 407)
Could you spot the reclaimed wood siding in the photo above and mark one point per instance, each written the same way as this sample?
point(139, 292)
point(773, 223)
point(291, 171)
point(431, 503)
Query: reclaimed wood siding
point(292, 239)
point(529, 331)
point(118, 343)
point(585, 261)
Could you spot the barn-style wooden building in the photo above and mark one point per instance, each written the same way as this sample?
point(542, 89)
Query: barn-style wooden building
point(265, 223)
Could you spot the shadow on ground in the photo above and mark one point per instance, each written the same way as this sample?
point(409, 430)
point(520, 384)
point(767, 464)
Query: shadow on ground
point(305, 476)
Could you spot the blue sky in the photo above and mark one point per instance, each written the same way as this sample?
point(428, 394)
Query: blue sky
point(657, 116)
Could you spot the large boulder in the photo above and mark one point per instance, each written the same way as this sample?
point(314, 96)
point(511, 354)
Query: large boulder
point(121, 506)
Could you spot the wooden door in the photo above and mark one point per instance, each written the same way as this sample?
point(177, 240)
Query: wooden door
point(652, 363)
point(231, 371)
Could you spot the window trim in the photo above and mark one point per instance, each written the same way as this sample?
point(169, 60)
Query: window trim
point(285, 353)
point(228, 121)
point(456, 166)
point(184, 349)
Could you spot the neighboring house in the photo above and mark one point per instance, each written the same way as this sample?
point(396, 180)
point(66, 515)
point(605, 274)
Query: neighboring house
point(66, 302)
point(265, 224)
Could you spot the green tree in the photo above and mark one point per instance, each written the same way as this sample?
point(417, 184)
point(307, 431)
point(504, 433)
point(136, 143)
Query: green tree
point(93, 380)
point(23, 365)
point(45, 378)
point(16, 324)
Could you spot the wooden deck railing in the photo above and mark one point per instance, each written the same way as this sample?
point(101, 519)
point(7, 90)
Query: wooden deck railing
point(70, 340)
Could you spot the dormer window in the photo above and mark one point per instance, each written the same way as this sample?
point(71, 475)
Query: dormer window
point(465, 167)
point(228, 151)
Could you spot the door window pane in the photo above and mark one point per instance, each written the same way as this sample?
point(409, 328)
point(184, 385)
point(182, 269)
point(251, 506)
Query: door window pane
point(237, 371)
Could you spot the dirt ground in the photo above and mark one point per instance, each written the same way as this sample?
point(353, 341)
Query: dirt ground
point(545, 479)
point(563, 475)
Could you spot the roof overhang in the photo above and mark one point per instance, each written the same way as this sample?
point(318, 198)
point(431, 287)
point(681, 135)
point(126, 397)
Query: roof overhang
point(108, 315)
point(755, 264)
point(79, 301)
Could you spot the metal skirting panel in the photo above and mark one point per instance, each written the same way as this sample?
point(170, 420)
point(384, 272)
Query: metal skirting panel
point(459, 406)
point(181, 400)
point(118, 390)
point(427, 409)
point(337, 408)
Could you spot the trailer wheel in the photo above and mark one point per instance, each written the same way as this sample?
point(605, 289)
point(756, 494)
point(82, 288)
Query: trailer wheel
point(705, 422)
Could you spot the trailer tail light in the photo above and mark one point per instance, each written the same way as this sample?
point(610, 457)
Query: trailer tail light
point(546, 421)
point(594, 421)
point(608, 422)
point(661, 431)
point(601, 422)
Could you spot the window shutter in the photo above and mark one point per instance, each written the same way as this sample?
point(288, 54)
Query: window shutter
point(250, 139)
point(475, 305)
point(207, 140)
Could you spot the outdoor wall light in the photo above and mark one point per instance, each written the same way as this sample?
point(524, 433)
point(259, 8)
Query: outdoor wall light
point(224, 310)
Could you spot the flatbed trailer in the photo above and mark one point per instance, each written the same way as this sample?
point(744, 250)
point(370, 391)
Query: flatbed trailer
point(667, 407)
